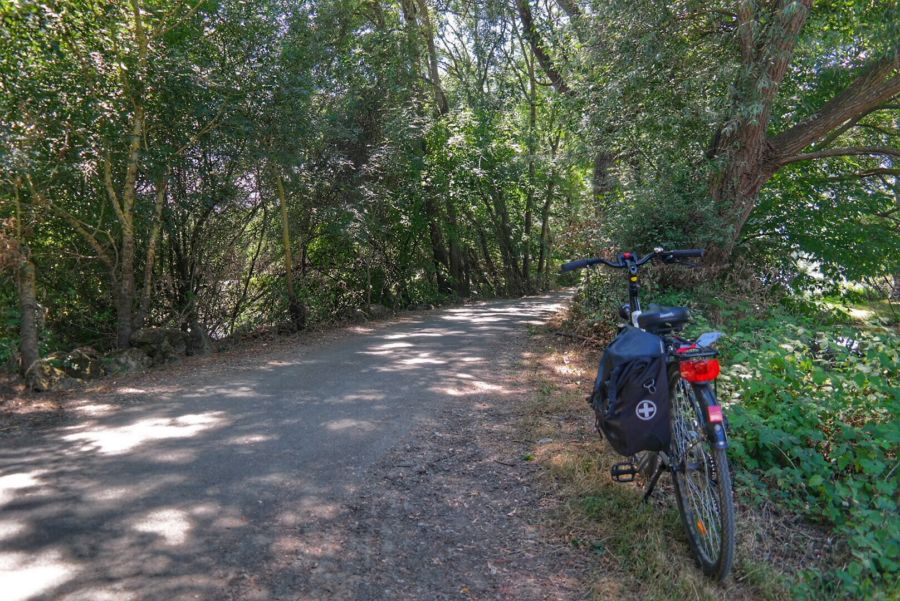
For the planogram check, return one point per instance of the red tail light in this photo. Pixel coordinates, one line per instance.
(700, 370)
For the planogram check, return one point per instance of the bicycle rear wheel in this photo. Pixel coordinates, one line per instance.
(702, 483)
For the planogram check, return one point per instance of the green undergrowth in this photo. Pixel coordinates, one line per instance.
(812, 395)
(814, 409)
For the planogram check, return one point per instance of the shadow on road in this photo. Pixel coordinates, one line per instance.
(212, 486)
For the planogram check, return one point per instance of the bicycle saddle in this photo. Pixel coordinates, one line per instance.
(663, 319)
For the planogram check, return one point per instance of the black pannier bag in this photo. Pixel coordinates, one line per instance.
(631, 395)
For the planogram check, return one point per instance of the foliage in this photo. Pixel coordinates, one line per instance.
(813, 407)
(147, 140)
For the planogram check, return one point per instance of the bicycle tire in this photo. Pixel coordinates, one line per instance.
(702, 480)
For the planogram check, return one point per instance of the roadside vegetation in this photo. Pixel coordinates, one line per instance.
(812, 394)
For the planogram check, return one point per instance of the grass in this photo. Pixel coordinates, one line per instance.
(641, 550)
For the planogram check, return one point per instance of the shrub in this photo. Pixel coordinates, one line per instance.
(814, 410)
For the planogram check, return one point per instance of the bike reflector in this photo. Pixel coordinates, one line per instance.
(714, 413)
(699, 370)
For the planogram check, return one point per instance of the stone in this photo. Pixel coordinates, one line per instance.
(47, 374)
(127, 361)
(163, 345)
(83, 363)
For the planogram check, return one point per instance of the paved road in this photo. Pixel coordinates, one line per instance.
(185, 485)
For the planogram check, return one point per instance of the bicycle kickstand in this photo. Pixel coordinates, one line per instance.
(659, 470)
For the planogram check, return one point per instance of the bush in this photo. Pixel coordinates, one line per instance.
(814, 410)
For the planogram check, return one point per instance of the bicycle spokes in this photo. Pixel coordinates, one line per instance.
(695, 471)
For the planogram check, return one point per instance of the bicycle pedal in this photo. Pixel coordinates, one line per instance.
(624, 472)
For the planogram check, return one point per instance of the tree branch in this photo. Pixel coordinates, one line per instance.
(879, 172)
(537, 46)
(440, 98)
(867, 92)
(745, 20)
(779, 52)
(836, 152)
(76, 224)
(570, 7)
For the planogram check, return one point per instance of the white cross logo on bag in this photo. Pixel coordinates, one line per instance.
(645, 410)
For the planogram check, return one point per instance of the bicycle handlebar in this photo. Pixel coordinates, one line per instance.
(681, 254)
(578, 264)
(666, 256)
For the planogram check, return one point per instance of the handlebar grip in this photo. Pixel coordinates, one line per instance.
(577, 264)
(689, 252)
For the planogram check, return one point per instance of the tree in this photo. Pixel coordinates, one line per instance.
(15, 256)
(747, 153)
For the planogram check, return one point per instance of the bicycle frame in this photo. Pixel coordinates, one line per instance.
(711, 416)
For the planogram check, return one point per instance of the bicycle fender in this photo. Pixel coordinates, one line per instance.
(715, 432)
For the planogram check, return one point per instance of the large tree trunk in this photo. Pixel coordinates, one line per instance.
(750, 157)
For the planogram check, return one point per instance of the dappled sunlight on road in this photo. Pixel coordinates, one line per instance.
(469, 388)
(24, 575)
(189, 490)
(13, 485)
(131, 492)
(350, 424)
(121, 439)
(172, 526)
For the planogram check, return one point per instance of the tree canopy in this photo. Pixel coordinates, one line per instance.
(222, 165)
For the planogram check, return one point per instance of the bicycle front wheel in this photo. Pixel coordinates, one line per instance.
(702, 483)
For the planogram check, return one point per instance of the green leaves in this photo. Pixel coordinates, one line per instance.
(819, 423)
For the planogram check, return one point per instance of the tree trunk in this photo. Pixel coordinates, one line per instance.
(600, 183)
(125, 296)
(529, 195)
(438, 250)
(750, 157)
(124, 211)
(28, 331)
(544, 256)
(508, 250)
(27, 284)
(418, 23)
(296, 310)
(155, 228)
(457, 263)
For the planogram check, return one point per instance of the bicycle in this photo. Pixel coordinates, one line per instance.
(696, 455)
